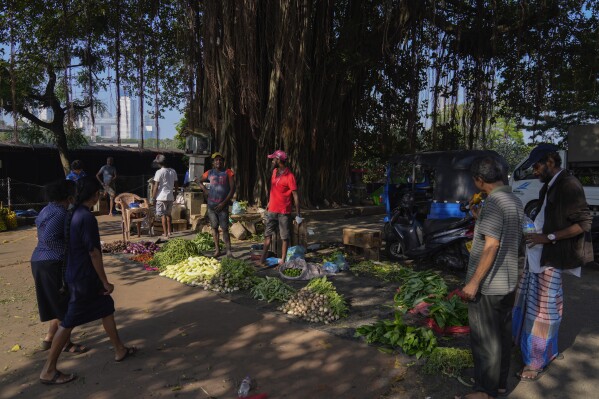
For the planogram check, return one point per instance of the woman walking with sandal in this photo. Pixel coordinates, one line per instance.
(47, 261)
(87, 282)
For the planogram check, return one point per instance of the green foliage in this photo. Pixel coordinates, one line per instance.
(272, 289)
(448, 361)
(173, 252)
(448, 312)
(417, 341)
(234, 274)
(417, 287)
(386, 271)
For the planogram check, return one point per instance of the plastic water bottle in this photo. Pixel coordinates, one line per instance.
(244, 388)
(528, 226)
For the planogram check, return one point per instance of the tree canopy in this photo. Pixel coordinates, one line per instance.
(329, 82)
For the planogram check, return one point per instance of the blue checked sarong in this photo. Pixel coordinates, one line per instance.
(537, 315)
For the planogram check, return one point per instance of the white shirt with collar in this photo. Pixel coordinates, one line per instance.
(534, 254)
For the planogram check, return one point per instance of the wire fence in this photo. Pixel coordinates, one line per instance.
(20, 195)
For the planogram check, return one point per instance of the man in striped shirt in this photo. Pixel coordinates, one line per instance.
(492, 277)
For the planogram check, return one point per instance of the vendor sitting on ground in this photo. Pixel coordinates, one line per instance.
(222, 188)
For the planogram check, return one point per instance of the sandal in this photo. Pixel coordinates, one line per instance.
(54, 381)
(129, 352)
(75, 349)
(537, 376)
(45, 345)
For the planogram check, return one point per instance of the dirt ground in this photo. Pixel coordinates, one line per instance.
(200, 344)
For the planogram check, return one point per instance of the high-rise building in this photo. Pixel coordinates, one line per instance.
(129, 117)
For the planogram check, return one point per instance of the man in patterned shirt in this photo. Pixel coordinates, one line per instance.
(222, 188)
(492, 277)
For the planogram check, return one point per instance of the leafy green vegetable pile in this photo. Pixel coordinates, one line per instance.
(272, 289)
(449, 312)
(417, 287)
(317, 302)
(448, 361)
(173, 252)
(386, 271)
(233, 275)
(204, 242)
(395, 333)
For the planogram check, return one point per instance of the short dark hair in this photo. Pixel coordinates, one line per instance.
(76, 165)
(59, 190)
(557, 159)
(488, 169)
(86, 187)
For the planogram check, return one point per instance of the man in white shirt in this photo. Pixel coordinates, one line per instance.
(163, 192)
(561, 244)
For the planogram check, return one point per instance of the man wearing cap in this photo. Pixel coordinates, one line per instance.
(163, 190)
(560, 245)
(222, 188)
(278, 210)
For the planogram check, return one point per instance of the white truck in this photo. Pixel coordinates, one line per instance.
(582, 158)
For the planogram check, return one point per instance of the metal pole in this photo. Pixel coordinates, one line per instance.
(9, 202)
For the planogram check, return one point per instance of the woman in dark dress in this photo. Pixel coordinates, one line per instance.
(87, 282)
(47, 260)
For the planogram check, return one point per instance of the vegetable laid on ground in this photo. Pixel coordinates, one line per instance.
(395, 333)
(317, 302)
(272, 289)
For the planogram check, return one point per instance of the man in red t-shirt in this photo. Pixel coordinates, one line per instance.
(278, 210)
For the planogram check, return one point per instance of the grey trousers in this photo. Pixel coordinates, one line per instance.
(490, 318)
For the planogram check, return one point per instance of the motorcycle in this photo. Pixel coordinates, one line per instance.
(446, 241)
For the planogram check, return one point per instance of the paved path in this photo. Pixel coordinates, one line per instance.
(198, 344)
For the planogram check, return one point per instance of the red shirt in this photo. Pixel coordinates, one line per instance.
(281, 187)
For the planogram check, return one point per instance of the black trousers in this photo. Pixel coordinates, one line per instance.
(490, 318)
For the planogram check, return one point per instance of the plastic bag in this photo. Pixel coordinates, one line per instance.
(309, 270)
(341, 263)
(180, 199)
(272, 261)
(330, 267)
(237, 209)
(295, 252)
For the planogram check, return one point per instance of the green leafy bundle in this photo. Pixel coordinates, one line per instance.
(449, 312)
(173, 252)
(233, 275)
(417, 287)
(271, 289)
(448, 361)
(416, 341)
(204, 242)
(386, 271)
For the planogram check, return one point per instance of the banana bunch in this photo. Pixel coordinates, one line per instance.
(193, 270)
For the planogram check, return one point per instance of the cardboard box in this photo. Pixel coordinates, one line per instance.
(362, 238)
(193, 201)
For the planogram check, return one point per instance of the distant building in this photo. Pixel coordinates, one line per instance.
(106, 123)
